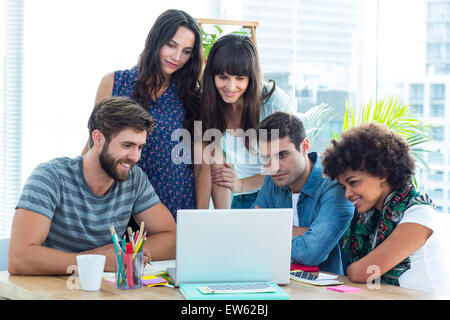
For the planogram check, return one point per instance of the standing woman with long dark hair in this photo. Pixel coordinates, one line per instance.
(234, 100)
(165, 82)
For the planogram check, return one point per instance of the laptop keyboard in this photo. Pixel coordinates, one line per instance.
(241, 288)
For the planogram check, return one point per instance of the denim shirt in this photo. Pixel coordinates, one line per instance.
(322, 208)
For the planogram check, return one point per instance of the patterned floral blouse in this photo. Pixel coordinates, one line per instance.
(174, 183)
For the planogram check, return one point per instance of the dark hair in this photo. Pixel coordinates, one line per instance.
(236, 55)
(287, 124)
(373, 148)
(151, 78)
(112, 115)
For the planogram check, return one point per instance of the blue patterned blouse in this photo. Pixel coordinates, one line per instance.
(174, 183)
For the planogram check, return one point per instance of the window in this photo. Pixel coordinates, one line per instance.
(437, 176)
(436, 31)
(434, 52)
(10, 111)
(435, 158)
(425, 31)
(447, 52)
(437, 10)
(416, 92)
(416, 98)
(437, 100)
(416, 109)
(437, 193)
(437, 133)
(437, 110)
(437, 92)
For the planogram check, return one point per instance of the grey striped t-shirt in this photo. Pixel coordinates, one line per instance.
(80, 219)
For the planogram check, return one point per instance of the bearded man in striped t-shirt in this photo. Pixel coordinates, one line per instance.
(68, 204)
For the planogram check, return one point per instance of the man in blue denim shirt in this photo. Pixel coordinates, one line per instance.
(322, 212)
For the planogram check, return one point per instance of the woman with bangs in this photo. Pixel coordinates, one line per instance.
(234, 100)
(165, 82)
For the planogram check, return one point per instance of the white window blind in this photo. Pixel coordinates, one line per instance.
(11, 42)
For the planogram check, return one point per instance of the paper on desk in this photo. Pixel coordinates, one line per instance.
(326, 276)
(151, 281)
(158, 266)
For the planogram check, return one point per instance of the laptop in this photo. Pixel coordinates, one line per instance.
(233, 245)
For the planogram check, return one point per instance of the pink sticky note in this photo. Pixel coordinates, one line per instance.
(344, 289)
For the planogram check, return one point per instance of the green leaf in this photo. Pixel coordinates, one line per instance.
(218, 29)
(396, 116)
(241, 32)
(209, 39)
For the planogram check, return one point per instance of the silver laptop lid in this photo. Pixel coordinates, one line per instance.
(233, 245)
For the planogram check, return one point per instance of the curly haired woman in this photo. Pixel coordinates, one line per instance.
(395, 231)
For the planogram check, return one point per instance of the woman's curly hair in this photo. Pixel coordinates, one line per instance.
(373, 148)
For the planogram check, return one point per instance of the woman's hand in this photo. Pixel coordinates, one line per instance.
(225, 176)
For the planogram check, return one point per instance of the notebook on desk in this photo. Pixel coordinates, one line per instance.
(195, 292)
(233, 245)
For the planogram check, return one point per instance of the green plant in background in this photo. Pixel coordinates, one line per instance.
(210, 38)
(397, 117)
(315, 119)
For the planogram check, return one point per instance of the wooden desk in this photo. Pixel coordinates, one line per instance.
(55, 287)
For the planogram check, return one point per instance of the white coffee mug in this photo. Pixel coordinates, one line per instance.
(90, 270)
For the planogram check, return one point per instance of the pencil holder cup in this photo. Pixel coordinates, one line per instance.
(129, 270)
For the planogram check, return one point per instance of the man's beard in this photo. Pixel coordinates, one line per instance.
(109, 165)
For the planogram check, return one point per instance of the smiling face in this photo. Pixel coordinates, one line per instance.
(122, 153)
(231, 87)
(176, 52)
(366, 191)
